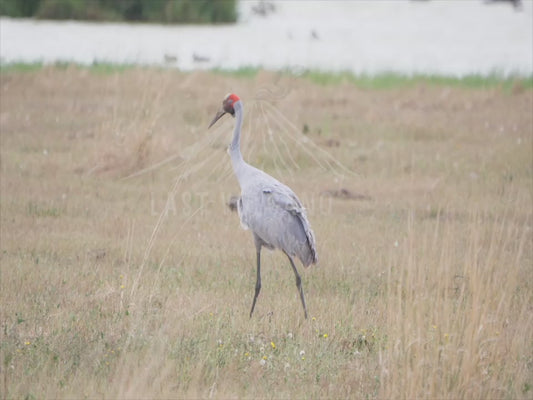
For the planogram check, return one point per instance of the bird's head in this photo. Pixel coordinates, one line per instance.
(227, 107)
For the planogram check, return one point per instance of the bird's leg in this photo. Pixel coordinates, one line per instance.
(258, 282)
(298, 284)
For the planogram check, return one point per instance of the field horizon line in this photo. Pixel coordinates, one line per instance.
(364, 80)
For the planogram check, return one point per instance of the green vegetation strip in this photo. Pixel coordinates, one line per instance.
(165, 11)
(385, 80)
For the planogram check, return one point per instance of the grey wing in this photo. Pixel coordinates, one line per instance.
(295, 234)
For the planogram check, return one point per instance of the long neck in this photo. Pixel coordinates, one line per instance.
(235, 146)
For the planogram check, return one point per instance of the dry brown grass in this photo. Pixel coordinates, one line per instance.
(124, 281)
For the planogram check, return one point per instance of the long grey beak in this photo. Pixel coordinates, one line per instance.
(219, 114)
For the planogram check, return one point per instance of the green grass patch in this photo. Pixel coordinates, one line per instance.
(389, 80)
(97, 67)
(385, 80)
(242, 72)
(106, 68)
(42, 210)
(20, 67)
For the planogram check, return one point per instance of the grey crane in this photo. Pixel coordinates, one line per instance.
(268, 208)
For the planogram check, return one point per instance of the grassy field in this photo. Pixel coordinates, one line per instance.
(125, 275)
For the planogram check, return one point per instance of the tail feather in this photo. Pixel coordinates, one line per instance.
(310, 255)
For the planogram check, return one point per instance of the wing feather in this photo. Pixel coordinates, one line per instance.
(276, 216)
(284, 198)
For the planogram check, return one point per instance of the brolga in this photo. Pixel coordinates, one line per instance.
(268, 208)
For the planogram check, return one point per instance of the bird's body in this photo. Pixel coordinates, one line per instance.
(269, 208)
(274, 214)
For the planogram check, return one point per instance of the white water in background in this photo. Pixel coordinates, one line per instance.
(453, 37)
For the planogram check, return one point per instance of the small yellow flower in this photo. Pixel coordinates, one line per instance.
(27, 343)
(314, 319)
(325, 335)
(434, 327)
(273, 345)
(265, 358)
(122, 286)
(247, 354)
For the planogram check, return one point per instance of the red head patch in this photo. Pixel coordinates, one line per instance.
(228, 102)
(233, 97)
